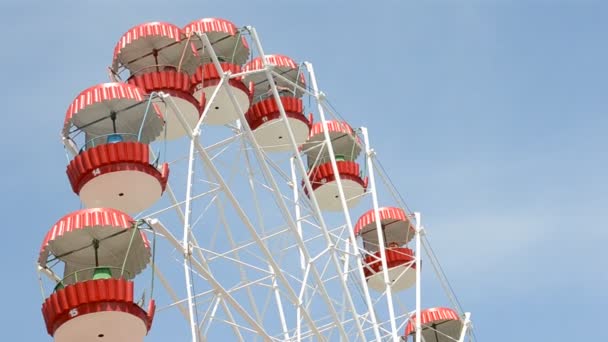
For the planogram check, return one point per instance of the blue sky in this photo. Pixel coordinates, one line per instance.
(490, 117)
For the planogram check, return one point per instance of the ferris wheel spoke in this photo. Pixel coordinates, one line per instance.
(281, 202)
(208, 316)
(209, 164)
(235, 327)
(237, 258)
(207, 275)
(177, 204)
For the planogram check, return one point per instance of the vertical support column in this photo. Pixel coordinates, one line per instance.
(186, 242)
(349, 224)
(277, 297)
(296, 201)
(465, 326)
(418, 264)
(372, 189)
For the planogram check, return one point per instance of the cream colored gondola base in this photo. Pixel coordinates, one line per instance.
(329, 198)
(107, 326)
(128, 191)
(222, 111)
(446, 332)
(402, 277)
(173, 126)
(273, 136)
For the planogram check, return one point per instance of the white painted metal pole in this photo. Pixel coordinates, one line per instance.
(277, 297)
(206, 274)
(300, 165)
(418, 280)
(208, 103)
(186, 243)
(465, 326)
(369, 154)
(351, 233)
(247, 222)
(296, 199)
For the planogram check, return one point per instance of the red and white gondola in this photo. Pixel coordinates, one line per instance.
(397, 231)
(438, 325)
(113, 169)
(346, 148)
(160, 58)
(101, 250)
(232, 51)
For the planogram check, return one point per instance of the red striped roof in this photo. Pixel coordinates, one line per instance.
(332, 126)
(100, 93)
(276, 60)
(432, 315)
(108, 158)
(211, 25)
(385, 213)
(87, 218)
(152, 29)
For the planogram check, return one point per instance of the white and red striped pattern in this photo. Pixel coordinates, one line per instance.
(332, 126)
(211, 25)
(432, 315)
(385, 213)
(152, 29)
(275, 60)
(100, 93)
(87, 218)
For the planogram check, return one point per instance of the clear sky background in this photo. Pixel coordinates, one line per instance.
(490, 117)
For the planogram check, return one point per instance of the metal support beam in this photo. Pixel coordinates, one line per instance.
(369, 153)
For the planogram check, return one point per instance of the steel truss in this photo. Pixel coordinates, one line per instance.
(260, 260)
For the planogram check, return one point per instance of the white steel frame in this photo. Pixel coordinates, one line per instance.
(361, 317)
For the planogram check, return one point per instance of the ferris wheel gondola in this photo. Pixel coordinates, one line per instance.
(438, 325)
(397, 231)
(160, 58)
(113, 167)
(346, 147)
(101, 249)
(232, 51)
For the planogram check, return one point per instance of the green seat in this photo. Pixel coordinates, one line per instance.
(102, 273)
(59, 286)
(340, 157)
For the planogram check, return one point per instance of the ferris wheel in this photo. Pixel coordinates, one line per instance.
(219, 186)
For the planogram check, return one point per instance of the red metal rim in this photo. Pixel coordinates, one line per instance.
(324, 174)
(268, 110)
(122, 156)
(395, 256)
(172, 82)
(208, 71)
(91, 297)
